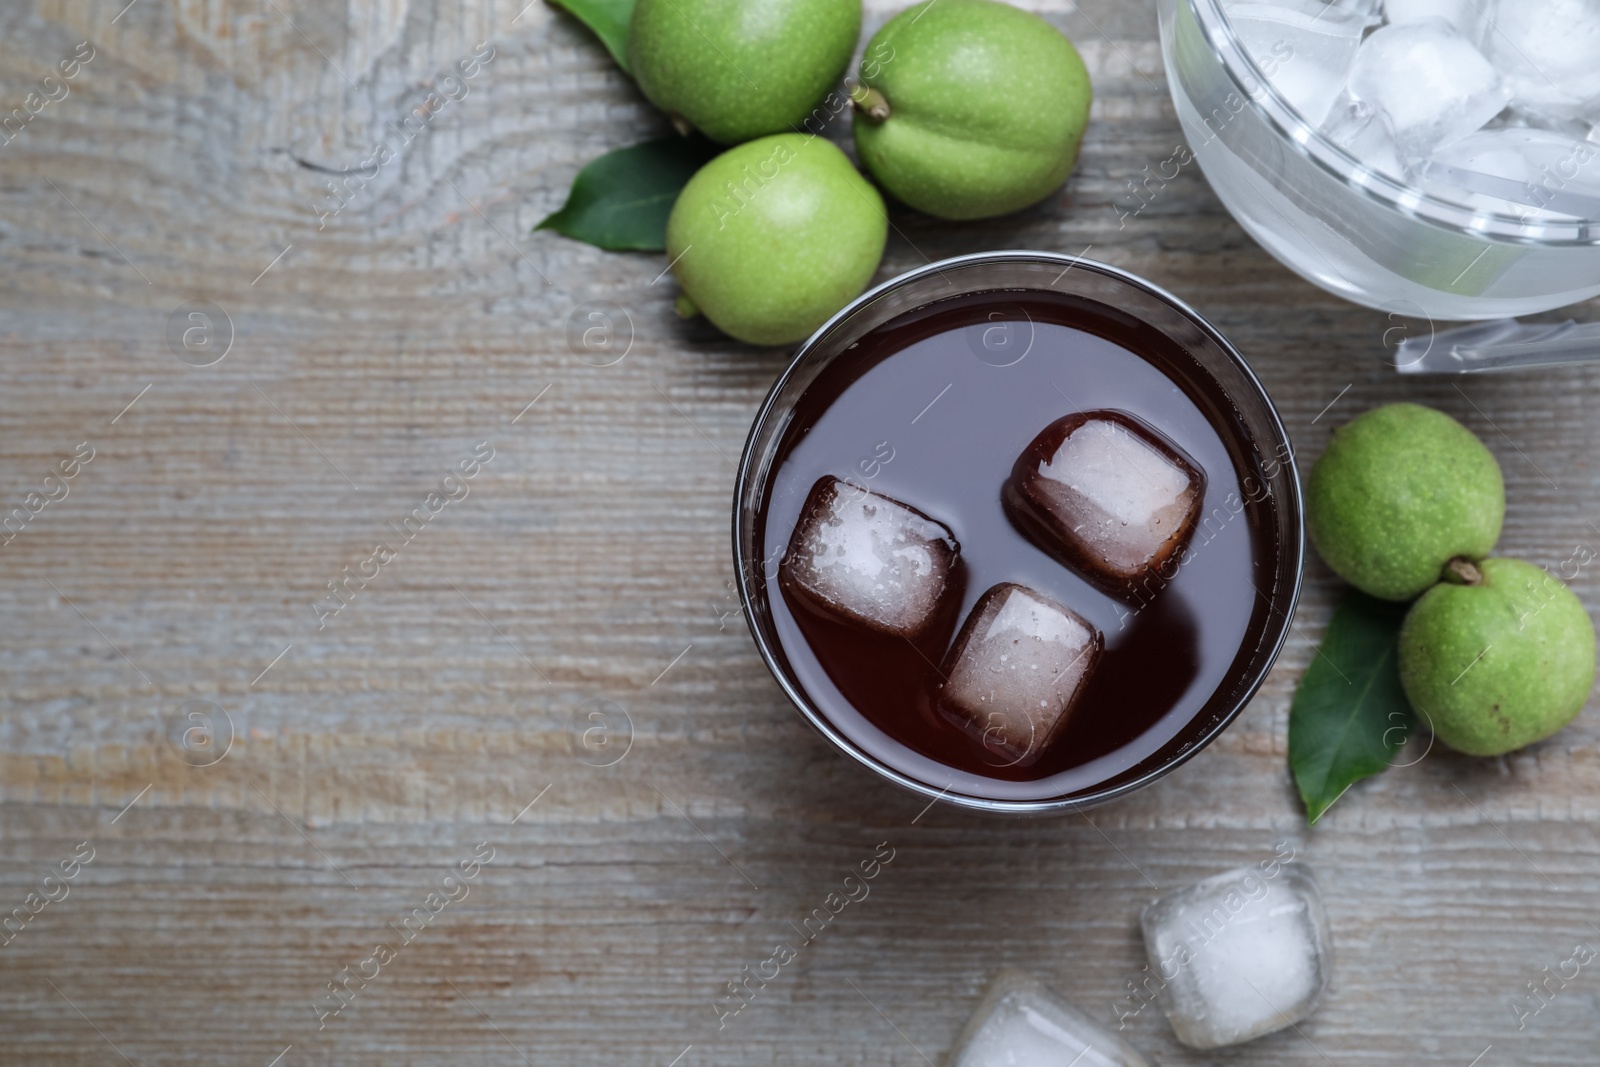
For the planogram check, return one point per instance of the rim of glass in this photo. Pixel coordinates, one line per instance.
(1323, 151)
(1295, 548)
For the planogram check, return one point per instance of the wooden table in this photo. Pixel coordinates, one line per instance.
(439, 715)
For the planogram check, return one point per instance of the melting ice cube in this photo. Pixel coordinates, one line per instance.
(870, 559)
(1364, 130)
(1021, 1022)
(1430, 81)
(1371, 10)
(1247, 953)
(1467, 16)
(1110, 495)
(1549, 52)
(1520, 171)
(1015, 670)
(1304, 47)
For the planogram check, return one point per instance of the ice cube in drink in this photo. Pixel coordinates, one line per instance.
(1015, 671)
(870, 560)
(1109, 495)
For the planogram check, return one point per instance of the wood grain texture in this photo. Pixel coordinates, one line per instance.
(588, 568)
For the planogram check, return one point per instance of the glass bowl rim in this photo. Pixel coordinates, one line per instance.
(1294, 548)
(1321, 150)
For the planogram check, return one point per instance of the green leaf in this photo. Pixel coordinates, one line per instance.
(1349, 715)
(609, 21)
(621, 201)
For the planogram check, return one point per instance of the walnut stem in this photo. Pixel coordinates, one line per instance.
(1462, 571)
(871, 103)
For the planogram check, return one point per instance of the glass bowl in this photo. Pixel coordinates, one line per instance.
(1350, 229)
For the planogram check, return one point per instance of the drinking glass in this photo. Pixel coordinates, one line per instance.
(1250, 421)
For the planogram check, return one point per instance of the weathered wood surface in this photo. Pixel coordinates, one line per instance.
(589, 564)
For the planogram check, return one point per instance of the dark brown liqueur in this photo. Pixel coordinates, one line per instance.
(933, 409)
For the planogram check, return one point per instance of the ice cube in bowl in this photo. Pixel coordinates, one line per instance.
(1549, 54)
(1431, 82)
(1305, 49)
(1467, 16)
(1364, 131)
(1520, 171)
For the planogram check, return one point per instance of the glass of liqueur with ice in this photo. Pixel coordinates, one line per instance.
(1431, 158)
(1018, 531)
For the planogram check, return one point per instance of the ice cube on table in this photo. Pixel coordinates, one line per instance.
(870, 559)
(1467, 16)
(1109, 495)
(1015, 671)
(1549, 53)
(1305, 49)
(1021, 1022)
(1430, 81)
(1364, 130)
(1248, 951)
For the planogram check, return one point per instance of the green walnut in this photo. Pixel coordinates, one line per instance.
(1401, 491)
(970, 108)
(739, 69)
(1497, 656)
(772, 237)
